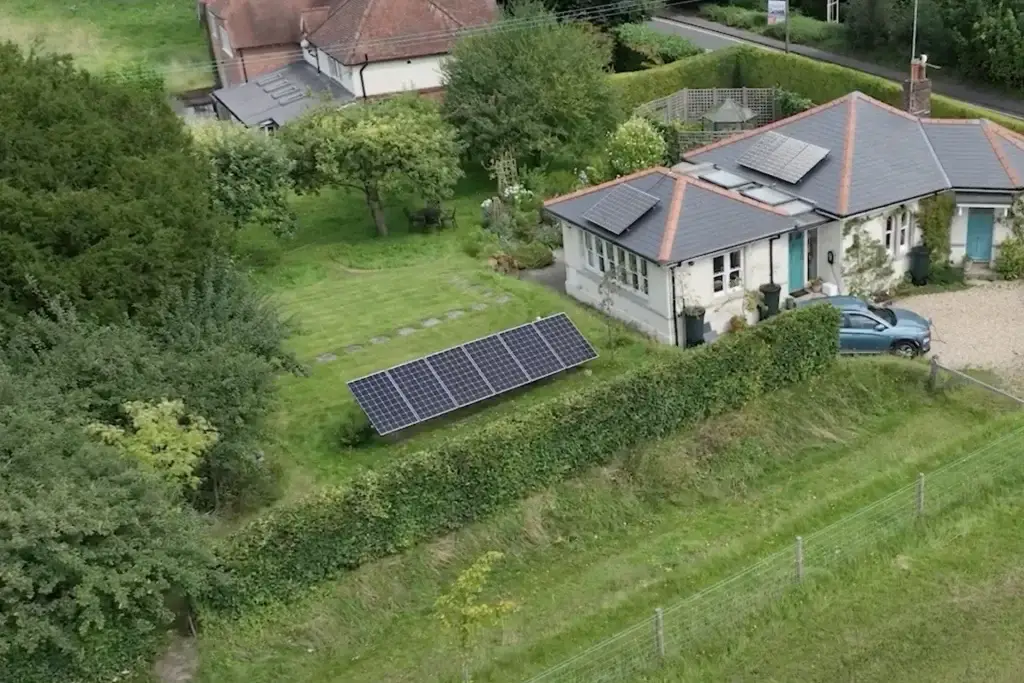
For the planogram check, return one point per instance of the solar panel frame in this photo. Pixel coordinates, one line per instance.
(565, 339)
(383, 403)
(537, 358)
(782, 157)
(461, 377)
(422, 388)
(497, 364)
(620, 208)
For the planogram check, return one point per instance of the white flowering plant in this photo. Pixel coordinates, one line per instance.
(634, 146)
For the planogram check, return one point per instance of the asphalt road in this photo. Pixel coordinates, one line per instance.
(698, 36)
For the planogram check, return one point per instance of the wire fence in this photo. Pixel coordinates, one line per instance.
(700, 619)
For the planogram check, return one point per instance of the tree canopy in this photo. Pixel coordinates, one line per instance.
(538, 90)
(399, 146)
(249, 174)
(99, 198)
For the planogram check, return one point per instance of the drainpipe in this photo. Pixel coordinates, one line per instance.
(245, 73)
(771, 259)
(366, 63)
(675, 316)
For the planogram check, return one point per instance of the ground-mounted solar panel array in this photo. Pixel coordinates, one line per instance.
(427, 387)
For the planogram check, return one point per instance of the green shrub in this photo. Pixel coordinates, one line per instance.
(533, 255)
(945, 274)
(1010, 261)
(788, 103)
(473, 473)
(635, 145)
(737, 17)
(355, 429)
(805, 31)
(638, 46)
(477, 242)
(934, 218)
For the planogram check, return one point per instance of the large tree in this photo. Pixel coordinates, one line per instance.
(91, 546)
(399, 146)
(534, 86)
(604, 13)
(249, 172)
(99, 196)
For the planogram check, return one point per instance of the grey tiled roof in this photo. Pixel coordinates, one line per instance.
(710, 219)
(252, 104)
(881, 156)
(966, 153)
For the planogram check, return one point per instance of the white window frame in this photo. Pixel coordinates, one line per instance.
(629, 271)
(889, 235)
(730, 273)
(903, 235)
(225, 39)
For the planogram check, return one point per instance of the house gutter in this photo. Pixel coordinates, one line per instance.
(366, 63)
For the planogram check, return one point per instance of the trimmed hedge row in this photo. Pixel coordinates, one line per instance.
(709, 70)
(434, 492)
(754, 68)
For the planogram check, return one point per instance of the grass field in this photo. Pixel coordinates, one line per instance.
(594, 555)
(103, 35)
(342, 287)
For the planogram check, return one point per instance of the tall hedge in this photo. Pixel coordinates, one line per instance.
(472, 474)
(709, 70)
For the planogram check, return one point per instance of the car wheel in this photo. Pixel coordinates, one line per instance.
(905, 349)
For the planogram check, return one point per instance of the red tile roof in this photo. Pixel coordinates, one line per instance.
(258, 23)
(397, 29)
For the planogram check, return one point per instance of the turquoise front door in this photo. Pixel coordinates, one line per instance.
(980, 223)
(796, 261)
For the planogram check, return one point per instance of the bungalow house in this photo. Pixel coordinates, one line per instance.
(789, 203)
(349, 49)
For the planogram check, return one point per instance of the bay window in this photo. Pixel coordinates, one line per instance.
(627, 269)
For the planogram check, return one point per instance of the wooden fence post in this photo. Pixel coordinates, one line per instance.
(933, 373)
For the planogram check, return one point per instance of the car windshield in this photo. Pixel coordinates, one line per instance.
(884, 313)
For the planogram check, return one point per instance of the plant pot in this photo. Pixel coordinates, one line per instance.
(920, 265)
(816, 287)
(770, 292)
(693, 319)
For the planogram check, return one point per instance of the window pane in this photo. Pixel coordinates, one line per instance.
(734, 279)
(643, 270)
(861, 322)
(645, 284)
(632, 262)
(734, 259)
(719, 283)
(636, 281)
(718, 264)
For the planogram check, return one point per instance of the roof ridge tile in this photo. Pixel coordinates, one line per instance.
(849, 138)
(675, 210)
(1011, 172)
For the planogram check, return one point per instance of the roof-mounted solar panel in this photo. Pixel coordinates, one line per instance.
(782, 157)
(623, 206)
(729, 181)
(442, 382)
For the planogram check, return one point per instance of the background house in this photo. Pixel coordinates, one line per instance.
(791, 202)
(368, 47)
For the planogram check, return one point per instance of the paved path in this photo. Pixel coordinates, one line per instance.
(712, 36)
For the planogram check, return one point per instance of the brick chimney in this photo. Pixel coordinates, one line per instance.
(917, 90)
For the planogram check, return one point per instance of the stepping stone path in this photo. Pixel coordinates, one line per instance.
(431, 322)
(503, 299)
(326, 358)
(378, 340)
(480, 306)
(353, 348)
(452, 315)
(405, 331)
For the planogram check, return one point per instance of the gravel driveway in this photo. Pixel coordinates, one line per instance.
(981, 327)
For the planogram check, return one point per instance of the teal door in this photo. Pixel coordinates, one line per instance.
(980, 223)
(796, 261)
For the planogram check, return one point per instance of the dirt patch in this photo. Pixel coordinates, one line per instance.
(180, 663)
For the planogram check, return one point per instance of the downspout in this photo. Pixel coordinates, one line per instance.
(771, 258)
(675, 315)
(245, 73)
(366, 63)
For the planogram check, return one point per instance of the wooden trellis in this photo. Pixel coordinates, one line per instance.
(505, 171)
(689, 105)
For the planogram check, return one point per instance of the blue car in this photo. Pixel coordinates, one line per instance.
(867, 328)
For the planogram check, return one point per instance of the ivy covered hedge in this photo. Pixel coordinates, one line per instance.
(472, 474)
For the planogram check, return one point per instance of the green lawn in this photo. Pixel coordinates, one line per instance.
(341, 287)
(592, 556)
(103, 34)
